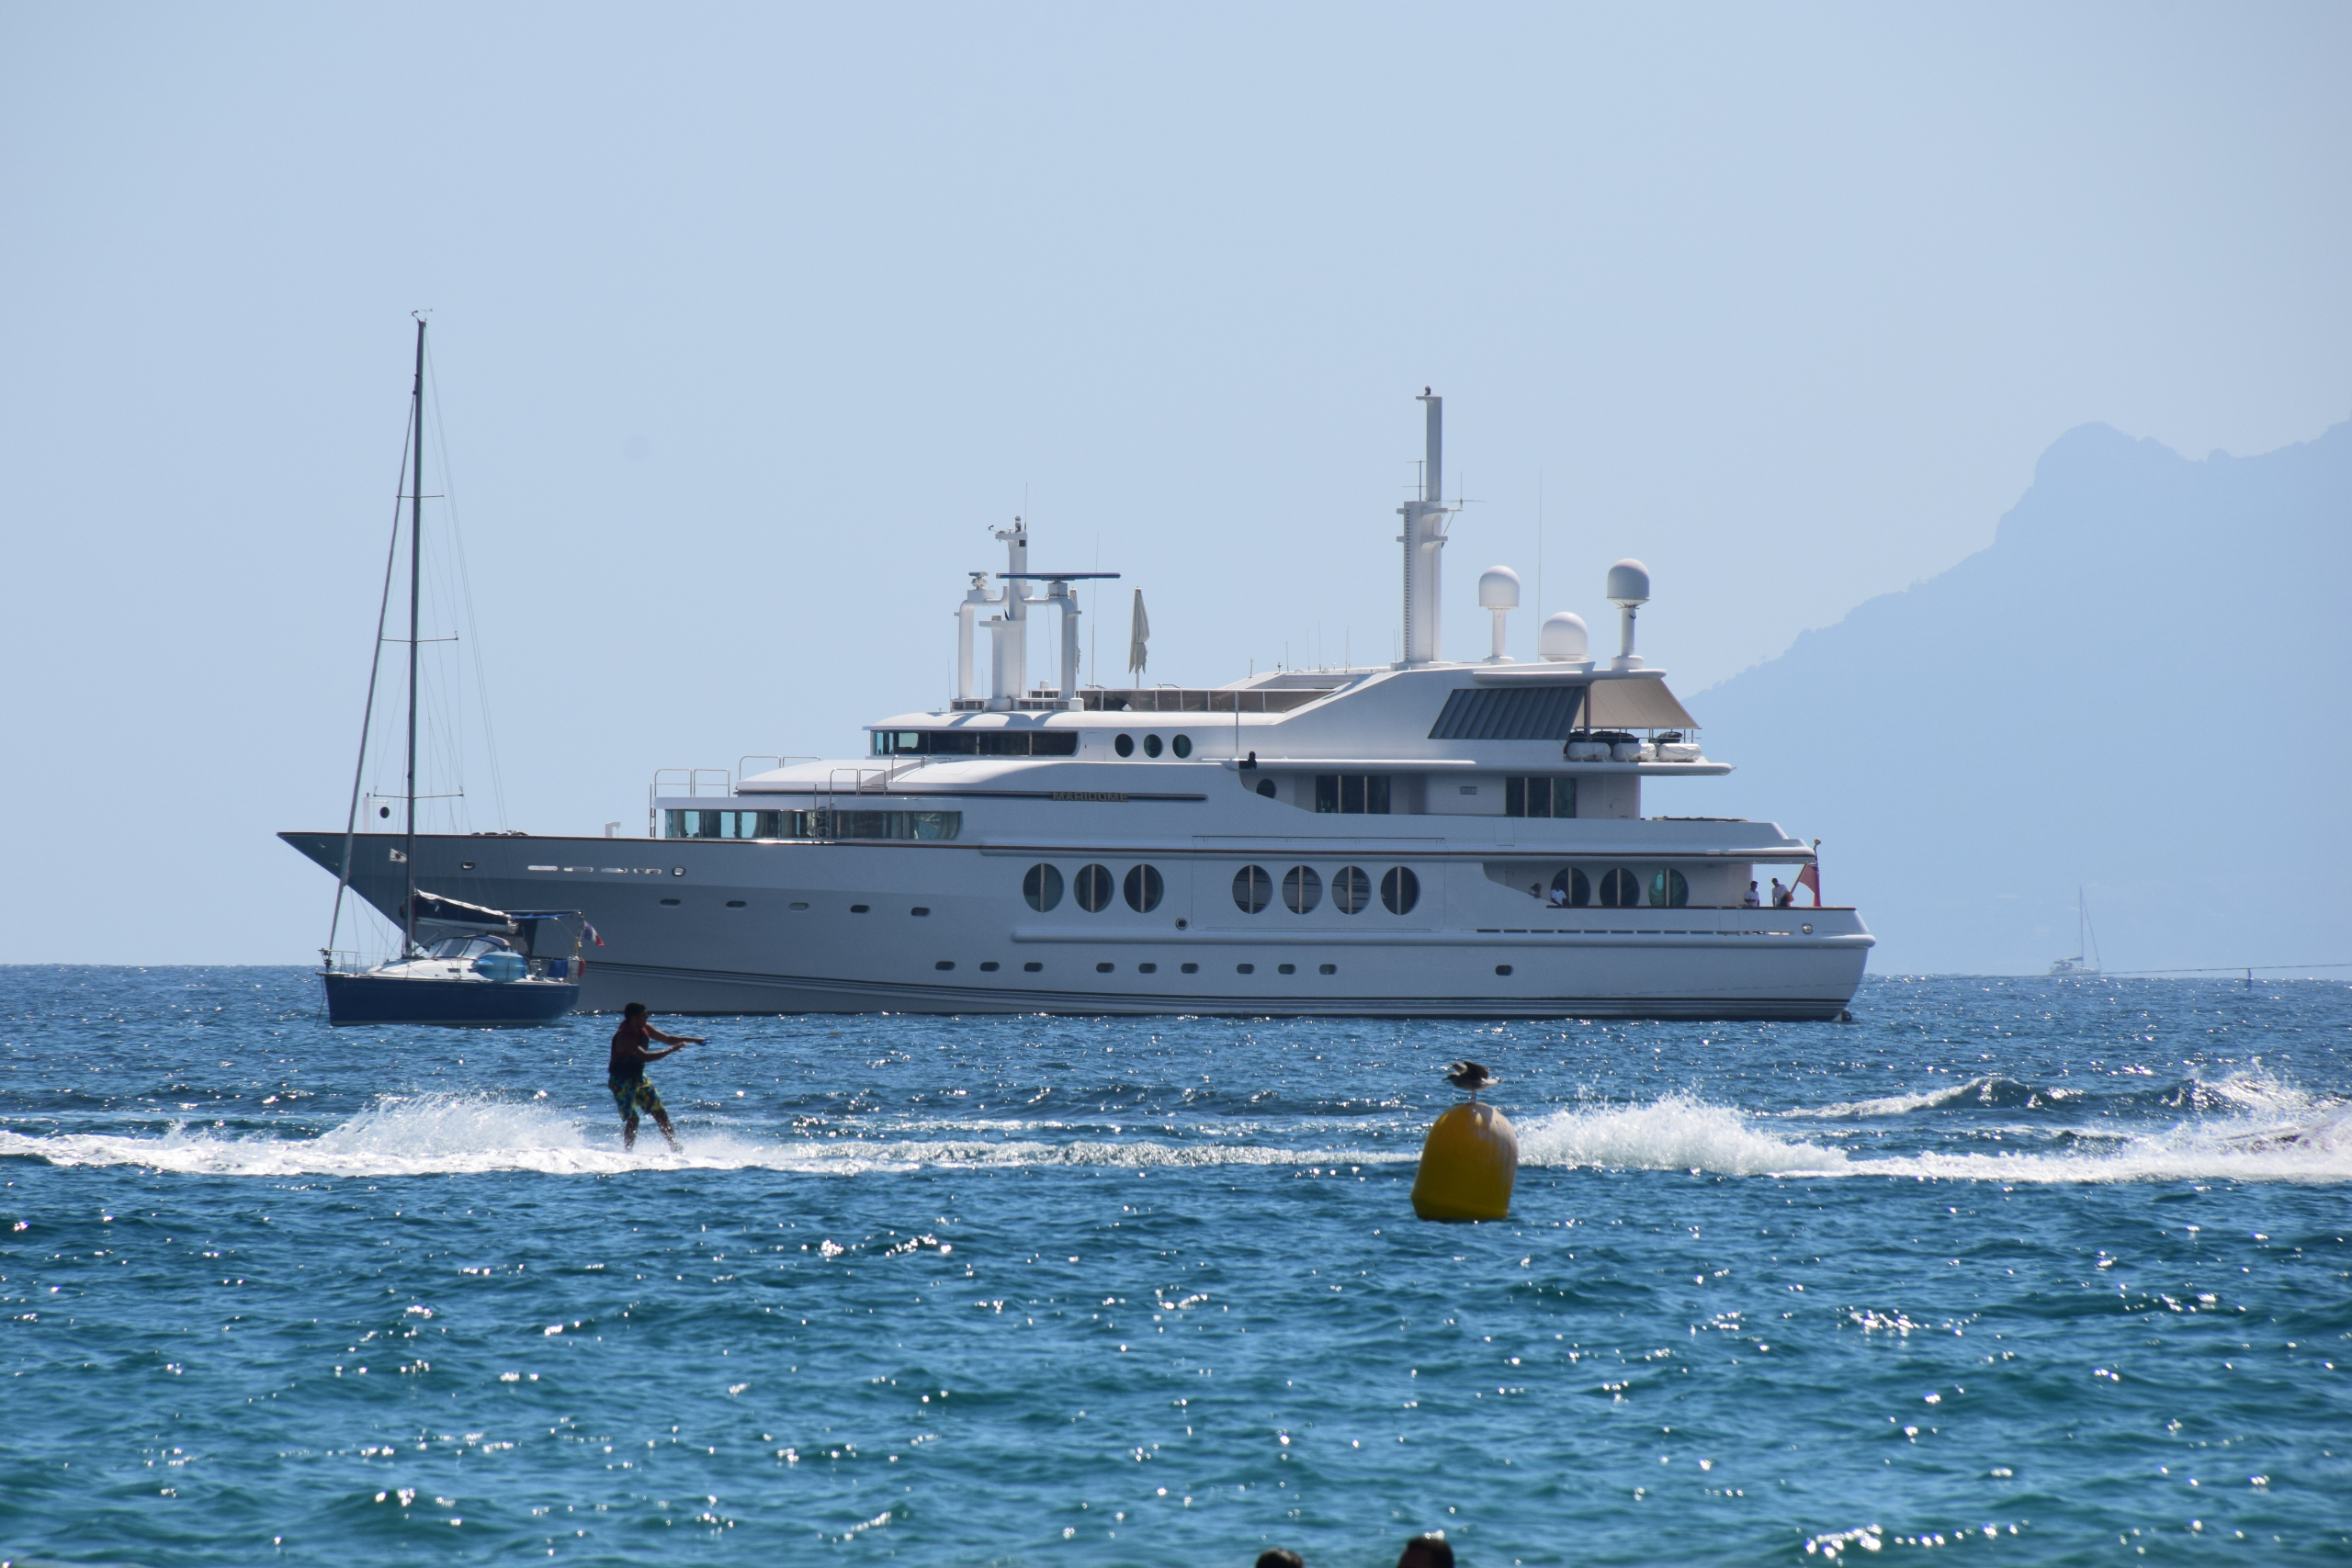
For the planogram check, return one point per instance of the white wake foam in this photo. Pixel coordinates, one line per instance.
(1678, 1132)
(453, 1135)
(2268, 1133)
(2271, 1133)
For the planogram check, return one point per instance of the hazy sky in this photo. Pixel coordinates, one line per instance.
(751, 322)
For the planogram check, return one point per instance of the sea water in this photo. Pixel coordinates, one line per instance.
(2023, 1270)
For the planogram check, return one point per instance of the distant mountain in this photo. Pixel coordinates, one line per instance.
(2143, 687)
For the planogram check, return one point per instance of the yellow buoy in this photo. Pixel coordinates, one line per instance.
(1468, 1163)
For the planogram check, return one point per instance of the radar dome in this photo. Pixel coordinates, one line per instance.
(1563, 639)
(1629, 583)
(1499, 589)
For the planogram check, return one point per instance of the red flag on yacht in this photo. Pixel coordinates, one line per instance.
(1811, 877)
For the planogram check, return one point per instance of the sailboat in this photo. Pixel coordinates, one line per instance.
(461, 964)
(2085, 942)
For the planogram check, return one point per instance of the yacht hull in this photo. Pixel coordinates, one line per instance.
(702, 927)
(360, 998)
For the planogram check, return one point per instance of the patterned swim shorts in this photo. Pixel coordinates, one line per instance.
(634, 1095)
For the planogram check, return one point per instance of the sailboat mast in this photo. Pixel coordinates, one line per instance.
(415, 586)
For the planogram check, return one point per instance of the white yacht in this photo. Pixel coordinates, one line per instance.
(1429, 838)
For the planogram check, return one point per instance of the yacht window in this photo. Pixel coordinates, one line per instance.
(1124, 745)
(811, 825)
(1351, 890)
(1143, 888)
(1574, 888)
(1302, 889)
(1399, 891)
(1252, 888)
(1151, 745)
(989, 967)
(974, 742)
(1245, 969)
(1042, 886)
(1191, 968)
(1031, 968)
(1182, 746)
(1147, 968)
(1669, 891)
(1620, 889)
(1353, 795)
(1094, 889)
(1541, 796)
(1266, 788)
(1286, 968)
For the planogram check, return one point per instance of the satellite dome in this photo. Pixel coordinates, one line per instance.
(1629, 583)
(1563, 639)
(1499, 589)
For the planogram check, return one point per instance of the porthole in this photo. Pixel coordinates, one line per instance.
(1574, 888)
(854, 909)
(944, 963)
(1502, 969)
(989, 967)
(1191, 968)
(1266, 788)
(1147, 968)
(1143, 888)
(1245, 969)
(1182, 746)
(1669, 891)
(1094, 889)
(1351, 890)
(1302, 889)
(1042, 886)
(1124, 745)
(735, 903)
(1620, 889)
(1287, 968)
(1103, 968)
(919, 909)
(1252, 889)
(669, 901)
(1031, 968)
(799, 904)
(1151, 745)
(1326, 969)
(1399, 891)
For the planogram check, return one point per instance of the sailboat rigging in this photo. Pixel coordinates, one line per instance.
(2085, 942)
(484, 966)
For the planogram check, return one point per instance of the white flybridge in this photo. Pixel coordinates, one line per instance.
(1428, 838)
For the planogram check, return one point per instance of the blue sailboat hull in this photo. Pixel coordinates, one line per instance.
(361, 998)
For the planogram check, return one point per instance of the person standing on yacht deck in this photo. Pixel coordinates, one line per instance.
(625, 1071)
(1752, 901)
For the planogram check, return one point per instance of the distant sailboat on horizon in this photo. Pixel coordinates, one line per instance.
(2085, 942)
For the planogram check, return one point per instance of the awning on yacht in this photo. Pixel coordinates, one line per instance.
(1636, 704)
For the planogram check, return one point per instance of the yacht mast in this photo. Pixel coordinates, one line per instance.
(415, 581)
(1424, 537)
